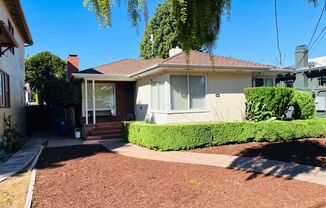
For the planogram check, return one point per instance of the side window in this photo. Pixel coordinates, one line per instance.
(4, 90)
(12, 31)
(259, 82)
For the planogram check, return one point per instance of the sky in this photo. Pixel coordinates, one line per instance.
(66, 27)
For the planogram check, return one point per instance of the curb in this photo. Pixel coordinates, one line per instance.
(29, 196)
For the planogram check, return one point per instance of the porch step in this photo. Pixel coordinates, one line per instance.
(105, 131)
(109, 136)
(106, 124)
(108, 130)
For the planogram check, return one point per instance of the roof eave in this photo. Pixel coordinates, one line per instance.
(21, 17)
(157, 67)
(112, 77)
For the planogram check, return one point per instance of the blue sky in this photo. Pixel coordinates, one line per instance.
(63, 27)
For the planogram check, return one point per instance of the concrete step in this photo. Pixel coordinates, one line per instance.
(105, 132)
(109, 136)
(113, 123)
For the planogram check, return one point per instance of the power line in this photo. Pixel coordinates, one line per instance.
(320, 34)
(315, 30)
(277, 33)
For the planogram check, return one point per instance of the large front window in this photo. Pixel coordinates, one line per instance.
(187, 92)
(104, 97)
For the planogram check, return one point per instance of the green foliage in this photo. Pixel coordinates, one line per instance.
(163, 27)
(188, 136)
(304, 105)
(264, 103)
(62, 92)
(12, 133)
(43, 67)
(198, 22)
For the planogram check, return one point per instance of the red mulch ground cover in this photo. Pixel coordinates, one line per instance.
(90, 176)
(307, 151)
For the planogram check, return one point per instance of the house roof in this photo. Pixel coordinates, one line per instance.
(126, 66)
(16, 11)
(199, 59)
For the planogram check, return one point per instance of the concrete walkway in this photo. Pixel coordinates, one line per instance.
(269, 167)
(22, 157)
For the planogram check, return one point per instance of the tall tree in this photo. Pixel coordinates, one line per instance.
(198, 21)
(41, 68)
(163, 28)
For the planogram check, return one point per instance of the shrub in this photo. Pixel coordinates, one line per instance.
(189, 136)
(264, 103)
(62, 92)
(304, 105)
(168, 137)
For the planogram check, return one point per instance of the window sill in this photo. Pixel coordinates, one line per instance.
(187, 111)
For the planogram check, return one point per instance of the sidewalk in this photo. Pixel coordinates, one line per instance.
(268, 167)
(22, 157)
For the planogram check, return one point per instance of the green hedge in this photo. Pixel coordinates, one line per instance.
(189, 136)
(264, 103)
(304, 105)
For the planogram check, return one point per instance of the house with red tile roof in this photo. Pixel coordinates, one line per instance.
(197, 87)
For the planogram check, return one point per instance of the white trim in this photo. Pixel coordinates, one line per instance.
(86, 102)
(93, 100)
(188, 111)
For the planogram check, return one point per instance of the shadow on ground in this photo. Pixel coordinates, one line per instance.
(308, 153)
(53, 157)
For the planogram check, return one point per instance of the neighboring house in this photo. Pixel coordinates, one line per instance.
(308, 75)
(14, 34)
(206, 89)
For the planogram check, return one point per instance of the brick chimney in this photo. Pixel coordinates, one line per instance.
(72, 65)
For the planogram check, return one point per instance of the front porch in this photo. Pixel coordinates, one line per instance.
(104, 105)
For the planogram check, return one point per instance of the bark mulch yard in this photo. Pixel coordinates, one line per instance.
(91, 176)
(307, 151)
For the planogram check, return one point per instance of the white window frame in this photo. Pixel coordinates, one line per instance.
(198, 110)
(254, 80)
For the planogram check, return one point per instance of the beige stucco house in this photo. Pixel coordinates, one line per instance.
(204, 89)
(14, 34)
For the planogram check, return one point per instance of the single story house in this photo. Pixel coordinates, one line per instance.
(207, 88)
(14, 34)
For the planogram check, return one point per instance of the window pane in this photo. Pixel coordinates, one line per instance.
(1, 89)
(197, 91)
(161, 96)
(154, 97)
(179, 92)
(268, 82)
(104, 96)
(259, 82)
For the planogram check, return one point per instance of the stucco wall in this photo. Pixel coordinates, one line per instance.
(225, 100)
(14, 66)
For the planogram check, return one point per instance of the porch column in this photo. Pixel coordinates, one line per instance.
(86, 103)
(93, 99)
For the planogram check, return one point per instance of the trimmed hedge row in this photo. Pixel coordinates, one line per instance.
(189, 136)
